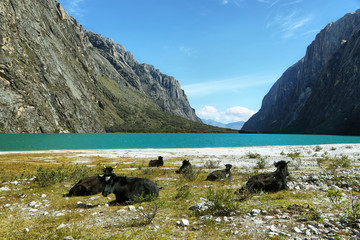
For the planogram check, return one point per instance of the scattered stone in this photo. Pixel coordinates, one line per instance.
(273, 228)
(255, 212)
(81, 205)
(206, 217)
(296, 230)
(199, 207)
(43, 195)
(68, 238)
(132, 208)
(61, 226)
(5, 188)
(183, 222)
(26, 230)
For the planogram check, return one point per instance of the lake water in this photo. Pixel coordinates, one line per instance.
(30, 142)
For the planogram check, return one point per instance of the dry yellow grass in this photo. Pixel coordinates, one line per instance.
(57, 217)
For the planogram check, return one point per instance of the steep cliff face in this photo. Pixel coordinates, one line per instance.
(54, 76)
(163, 89)
(289, 98)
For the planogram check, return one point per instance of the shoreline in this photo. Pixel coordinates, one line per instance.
(199, 156)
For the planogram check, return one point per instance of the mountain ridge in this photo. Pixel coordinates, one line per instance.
(288, 100)
(57, 77)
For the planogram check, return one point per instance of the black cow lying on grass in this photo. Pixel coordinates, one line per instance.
(156, 163)
(130, 189)
(185, 164)
(220, 174)
(270, 182)
(91, 185)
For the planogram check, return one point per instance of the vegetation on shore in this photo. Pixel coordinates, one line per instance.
(32, 206)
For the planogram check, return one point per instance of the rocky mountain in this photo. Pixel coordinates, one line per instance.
(233, 125)
(318, 94)
(57, 77)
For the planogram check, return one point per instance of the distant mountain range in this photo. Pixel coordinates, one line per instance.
(233, 125)
(320, 93)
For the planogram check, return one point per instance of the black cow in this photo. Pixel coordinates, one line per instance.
(220, 174)
(156, 163)
(185, 164)
(270, 182)
(91, 185)
(130, 189)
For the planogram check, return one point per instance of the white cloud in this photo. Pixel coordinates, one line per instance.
(291, 23)
(224, 2)
(209, 112)
(233, 114)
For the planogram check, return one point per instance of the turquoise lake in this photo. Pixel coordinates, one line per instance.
(56, 141)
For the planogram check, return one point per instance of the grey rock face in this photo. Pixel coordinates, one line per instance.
(302, 85)
(56, 77)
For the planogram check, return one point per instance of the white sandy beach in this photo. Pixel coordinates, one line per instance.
(198, 156)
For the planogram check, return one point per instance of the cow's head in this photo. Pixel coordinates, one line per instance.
(108, 172)
(228, 167)
(283, 167)
(109, 187)
(186, 163)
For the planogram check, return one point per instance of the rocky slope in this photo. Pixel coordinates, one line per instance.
(57, 77)
(317, 94)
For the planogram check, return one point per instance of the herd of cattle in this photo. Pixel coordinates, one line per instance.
(134, 189)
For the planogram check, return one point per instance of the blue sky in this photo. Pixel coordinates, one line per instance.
(226, 54)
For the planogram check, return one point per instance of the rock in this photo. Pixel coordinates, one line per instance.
(5, 188)
(316, 86)
(201, 206)
(255, 212)
(296, 230)
(61, 226)
(26, 230)
(81, 205)
(68, 238)
(206, 217)
(183, 222)
(313, 229)
(43, 195)
(273, 228)
(132, 208)
(33, 204)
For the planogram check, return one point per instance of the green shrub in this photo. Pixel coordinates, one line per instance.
(183, 192)
(261, 163)
(224, 201)
(253, 155)
(190, 173)
(212, 164)
(49, 176)
(350, 206)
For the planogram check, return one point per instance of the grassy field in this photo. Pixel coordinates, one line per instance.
(32, 205)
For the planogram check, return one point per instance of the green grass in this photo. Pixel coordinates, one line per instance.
(178, 193)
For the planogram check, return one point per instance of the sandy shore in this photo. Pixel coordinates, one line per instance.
(198, 156)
